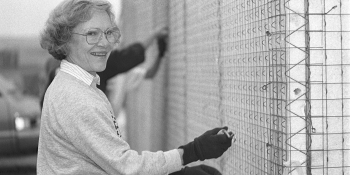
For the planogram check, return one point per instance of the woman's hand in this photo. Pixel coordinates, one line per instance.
(156, 34)
(161, 32)
(207, 146)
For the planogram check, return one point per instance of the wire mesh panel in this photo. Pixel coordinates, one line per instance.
(254, 85)
(298, 122)
(276, 72)
(327, 79)
(317, 134)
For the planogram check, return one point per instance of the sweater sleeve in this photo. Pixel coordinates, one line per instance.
(90, 127)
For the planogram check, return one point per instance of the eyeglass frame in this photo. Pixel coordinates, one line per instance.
(104, 32)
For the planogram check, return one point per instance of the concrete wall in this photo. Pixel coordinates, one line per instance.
(275, 72)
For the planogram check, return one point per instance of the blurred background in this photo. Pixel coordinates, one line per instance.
(22, 80)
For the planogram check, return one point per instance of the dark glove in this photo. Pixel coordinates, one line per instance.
(207, 146)
(197, 170)
(162, 46)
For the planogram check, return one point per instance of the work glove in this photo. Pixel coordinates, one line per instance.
(197, 170)
(162, 46)
(207, 146)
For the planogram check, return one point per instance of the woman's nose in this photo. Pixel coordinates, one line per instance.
(103, 40)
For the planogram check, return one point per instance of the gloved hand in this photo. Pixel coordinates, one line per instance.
(197, 170)
(162, 45)
(207, 146)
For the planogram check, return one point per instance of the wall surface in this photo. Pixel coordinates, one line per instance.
(275, 72)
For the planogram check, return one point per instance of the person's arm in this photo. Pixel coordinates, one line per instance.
(181, 153)
(162, 47)
(121, 61)
(158, 33)
(90, 128)
(128, 58)
(92, 131)
(153, 69)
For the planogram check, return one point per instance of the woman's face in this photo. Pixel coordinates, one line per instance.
(92, 58)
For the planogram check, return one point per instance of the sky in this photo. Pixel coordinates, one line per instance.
(26, 18)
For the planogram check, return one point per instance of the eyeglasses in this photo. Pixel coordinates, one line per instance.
(94, 35)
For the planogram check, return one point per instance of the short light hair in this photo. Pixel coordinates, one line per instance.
(64, 18)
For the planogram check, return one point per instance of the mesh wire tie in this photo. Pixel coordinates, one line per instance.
(331, 9)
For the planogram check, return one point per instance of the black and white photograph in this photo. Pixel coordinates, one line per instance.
(175, 87)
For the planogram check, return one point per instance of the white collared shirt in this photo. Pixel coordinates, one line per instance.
(79, 73)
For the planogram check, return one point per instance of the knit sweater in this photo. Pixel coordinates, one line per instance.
(79, 134)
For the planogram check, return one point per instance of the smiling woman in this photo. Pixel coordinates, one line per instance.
(79, 133)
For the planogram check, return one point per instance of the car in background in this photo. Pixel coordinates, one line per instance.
(19, 119)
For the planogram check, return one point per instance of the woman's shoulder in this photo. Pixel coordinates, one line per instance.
(67, 87)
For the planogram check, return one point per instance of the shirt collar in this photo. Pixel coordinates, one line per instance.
(79, 73)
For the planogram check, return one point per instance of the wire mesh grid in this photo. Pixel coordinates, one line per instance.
(318, 88)
(254, 85)
(275, 71)
(327, 78)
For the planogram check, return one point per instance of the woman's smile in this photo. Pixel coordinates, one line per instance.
(99, 54)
